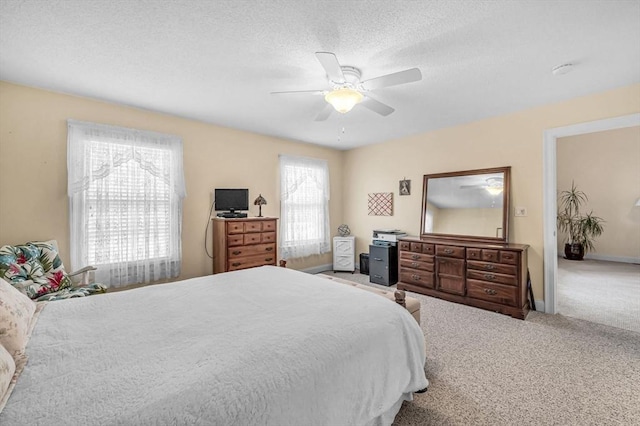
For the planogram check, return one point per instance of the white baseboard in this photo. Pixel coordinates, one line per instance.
(318, 269)
(539, 305)
(622, 259)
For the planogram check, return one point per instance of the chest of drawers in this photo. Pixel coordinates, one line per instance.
(488, 276)
(244, 243)
(344, 254)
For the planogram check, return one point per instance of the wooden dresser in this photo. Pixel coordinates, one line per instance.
(244, 243)
(484, 275)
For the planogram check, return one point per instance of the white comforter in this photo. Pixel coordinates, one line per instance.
(263, 346)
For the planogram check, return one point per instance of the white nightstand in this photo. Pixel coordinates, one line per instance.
(344, 254)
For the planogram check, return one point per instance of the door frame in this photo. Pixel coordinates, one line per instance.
(549, 186)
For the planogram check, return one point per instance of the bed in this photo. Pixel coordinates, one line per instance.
(261, 346)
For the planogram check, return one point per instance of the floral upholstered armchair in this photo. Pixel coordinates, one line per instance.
(36, 270)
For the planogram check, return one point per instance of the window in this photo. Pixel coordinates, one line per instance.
(125, 189)
(304, 217)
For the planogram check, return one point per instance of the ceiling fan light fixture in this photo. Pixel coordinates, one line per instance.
(343, 99)
(494, 190)
(495, 186)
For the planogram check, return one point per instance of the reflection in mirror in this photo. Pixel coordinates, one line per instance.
(466, 204)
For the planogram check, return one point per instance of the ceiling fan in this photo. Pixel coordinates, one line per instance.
(346, 90)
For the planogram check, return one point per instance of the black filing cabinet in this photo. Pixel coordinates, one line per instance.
(383, 264)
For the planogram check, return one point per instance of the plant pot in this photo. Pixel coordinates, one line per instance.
(574, 251)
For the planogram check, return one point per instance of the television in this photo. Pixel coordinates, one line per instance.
(231, 200)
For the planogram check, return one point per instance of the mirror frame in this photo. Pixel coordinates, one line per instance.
(506, 208)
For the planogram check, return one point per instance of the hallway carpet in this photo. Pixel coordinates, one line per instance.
(604, 292)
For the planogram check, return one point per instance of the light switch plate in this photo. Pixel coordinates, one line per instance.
(520, 211)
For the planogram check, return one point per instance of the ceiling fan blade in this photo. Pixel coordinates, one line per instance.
(313, 92)
(325, 113)
(331, 66)
(400, 77)
(376, 106)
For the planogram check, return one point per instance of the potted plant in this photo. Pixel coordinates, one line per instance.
(581, 229)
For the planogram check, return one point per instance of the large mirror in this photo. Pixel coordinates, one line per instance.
(470, 205)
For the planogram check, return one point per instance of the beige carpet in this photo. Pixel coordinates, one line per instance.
(489, 369)
(604, 292)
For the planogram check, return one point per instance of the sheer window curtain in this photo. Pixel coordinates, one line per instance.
(304, 205)
(125, 191)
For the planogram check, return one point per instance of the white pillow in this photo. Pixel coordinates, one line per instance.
(16, 313)
(7, 370)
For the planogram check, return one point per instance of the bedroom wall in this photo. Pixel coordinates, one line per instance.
(514, 140)
(33, 138)
(606, 166)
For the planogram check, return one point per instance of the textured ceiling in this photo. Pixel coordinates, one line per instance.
(218, 61)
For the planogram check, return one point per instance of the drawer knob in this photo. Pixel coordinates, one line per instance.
(268, 259)
(377, 276)
(490, 291)
(508, 256)
(415, 257)
(378, 259)
(415, 277)
(490, 276)
(236, 252)
(489, 267)
(448, 251)
(269, 249)
(236, 264)
(415, 265)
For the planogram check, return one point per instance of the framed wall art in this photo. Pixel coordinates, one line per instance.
(380, 204)
(405, 187)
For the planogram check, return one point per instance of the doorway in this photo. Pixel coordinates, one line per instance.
(549, 195)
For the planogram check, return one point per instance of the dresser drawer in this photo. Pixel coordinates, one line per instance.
(417, 247)
(405, 245)
(423, 248)
(490, 255)
(492, 277)
(269, 225)
(235, 227)
(253, 226)
(407, 255)
(235, 252)
(414, 264)
(253, 238)
(474, 253)
(492, 267)
(235, 240)
(508, 257)
(268, 237)
(450, 251)
(251, 261)
(428, 248)
(420, 278)
(498, 293)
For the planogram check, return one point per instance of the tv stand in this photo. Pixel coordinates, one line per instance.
(231, 215)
